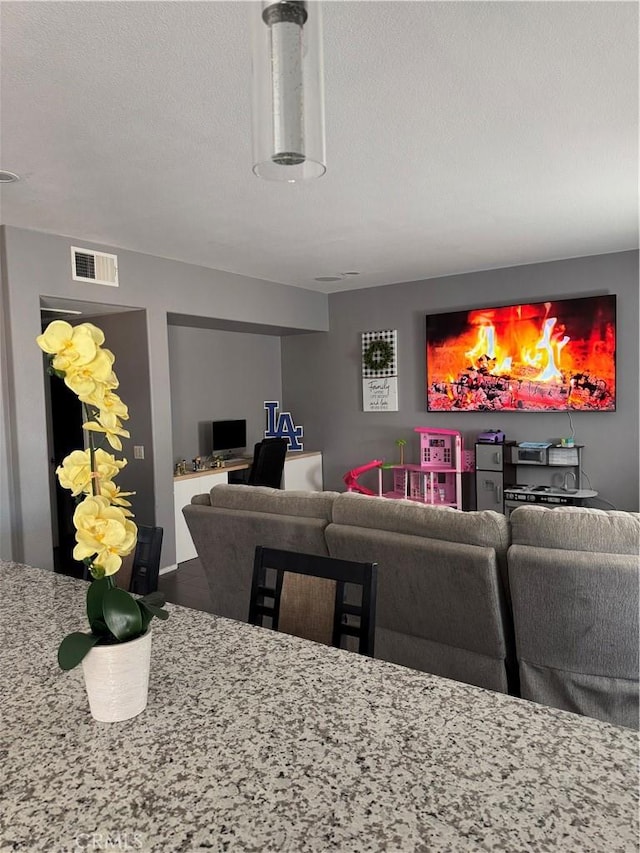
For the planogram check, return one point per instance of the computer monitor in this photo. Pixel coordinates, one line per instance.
(229, 435)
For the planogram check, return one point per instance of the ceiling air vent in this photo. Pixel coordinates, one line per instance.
(96, 267)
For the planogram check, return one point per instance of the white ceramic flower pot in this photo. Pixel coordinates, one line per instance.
(117, 679)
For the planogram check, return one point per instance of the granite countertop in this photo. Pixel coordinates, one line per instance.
(257, 741)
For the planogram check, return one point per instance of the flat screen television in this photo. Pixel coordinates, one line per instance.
(534, 357)
(229, 435)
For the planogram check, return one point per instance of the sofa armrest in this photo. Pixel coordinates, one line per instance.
(201, 500)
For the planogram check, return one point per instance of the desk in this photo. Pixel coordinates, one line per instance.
(302, 471)
(257, 741)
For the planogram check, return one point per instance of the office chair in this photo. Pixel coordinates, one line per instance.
(308, 597)
(268, 462)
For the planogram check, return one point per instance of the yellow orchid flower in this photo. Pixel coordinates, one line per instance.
(85, 379)
(75, 472)
(96, 395)
(109, 424)
(70, 345)
(96, 333)
(103, 533)
(101, 396)
(109, 490)
(112, 404)
(56, 337)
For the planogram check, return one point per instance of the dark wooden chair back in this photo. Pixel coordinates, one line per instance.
(146, 563)
(304, 594)
(140, 569)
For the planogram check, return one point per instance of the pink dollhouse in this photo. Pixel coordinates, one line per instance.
(437, 479)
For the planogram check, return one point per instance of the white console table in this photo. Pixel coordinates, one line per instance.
(302, 472)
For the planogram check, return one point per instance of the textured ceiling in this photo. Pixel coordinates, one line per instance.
(460, 136)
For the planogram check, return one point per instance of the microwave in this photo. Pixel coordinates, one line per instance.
(529, 455)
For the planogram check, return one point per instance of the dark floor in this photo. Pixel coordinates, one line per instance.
(187, 586)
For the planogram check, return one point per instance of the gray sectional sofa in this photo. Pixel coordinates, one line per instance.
(445, 583)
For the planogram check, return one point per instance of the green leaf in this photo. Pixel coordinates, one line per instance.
(145, 615)
(74, 648)
(95, 605)
(156, 598)
(122, 614)
(153, 610)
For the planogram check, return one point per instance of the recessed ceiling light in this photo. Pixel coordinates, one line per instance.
(59, 311)
(328, 278)
(8, 177)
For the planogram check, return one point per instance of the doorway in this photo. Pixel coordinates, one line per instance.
(66, 435)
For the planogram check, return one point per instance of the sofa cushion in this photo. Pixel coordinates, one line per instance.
(612, 700)
(577, 529)
(273, 501)
(486, 528)
(446, 592)
(576, 626)
(441, 659)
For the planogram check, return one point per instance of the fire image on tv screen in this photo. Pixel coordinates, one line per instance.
(539, 357)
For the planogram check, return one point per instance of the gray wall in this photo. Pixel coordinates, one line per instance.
(322, 380)
(38, 264)
(7, 486)
(320, 371)
(219, 375)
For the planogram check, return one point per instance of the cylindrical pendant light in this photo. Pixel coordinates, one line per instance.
(288, 91)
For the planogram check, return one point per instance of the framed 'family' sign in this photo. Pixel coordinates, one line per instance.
(380, 371)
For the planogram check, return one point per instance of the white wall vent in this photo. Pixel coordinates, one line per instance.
(96, 267)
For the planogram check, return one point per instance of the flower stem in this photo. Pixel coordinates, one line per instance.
(95, 482)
